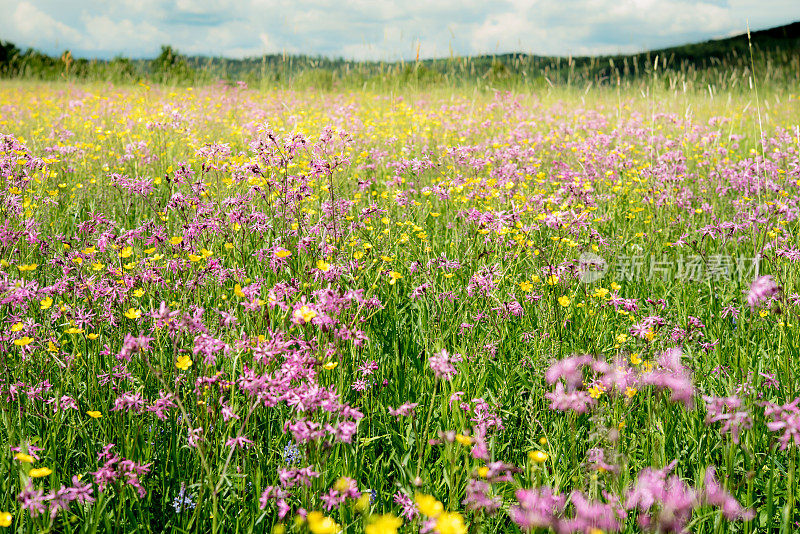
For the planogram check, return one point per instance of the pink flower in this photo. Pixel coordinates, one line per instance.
(762, 289)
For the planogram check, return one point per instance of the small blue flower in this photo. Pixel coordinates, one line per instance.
(183, 499)
(291, 454)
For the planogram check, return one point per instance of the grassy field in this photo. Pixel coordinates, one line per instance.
(573, 309)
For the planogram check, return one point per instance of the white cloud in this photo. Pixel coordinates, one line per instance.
(379, 29)
(37, 28)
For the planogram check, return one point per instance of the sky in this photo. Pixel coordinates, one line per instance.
(378, 29)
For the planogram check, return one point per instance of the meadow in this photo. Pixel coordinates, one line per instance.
(569, 309)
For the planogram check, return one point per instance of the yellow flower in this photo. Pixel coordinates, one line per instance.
(5, 519)
(362, 504)
(183, 362)
(282, 253)
(387, 259)
(237, 290)
(330, 366)
(279, 529)
(23, 341)
(600, 293)
(125, 252)
(16, 327)
(428, 505)
(133, 313)
(393, 277)
(630, 392)
(451, 523)
(305, 313)
(194, 258)
(384, 524)
(89, 250)
(74, 330)
(596, 391)
(526, 286)
(552, 280)
(92, 336)
(319, 524)
(51, 347)
(621, 338)
(323, 266)
(25, 268)
(40, 472)
(538, 457)
(94, 414)
(563, 300)
(635, 359)
(24, 458)
(138, 293)
(97, 266)
(176, 240)
(464, 440)
(46, 303)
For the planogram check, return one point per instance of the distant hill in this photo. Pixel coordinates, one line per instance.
(719, 63)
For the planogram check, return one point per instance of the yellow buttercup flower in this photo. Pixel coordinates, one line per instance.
(16, 327)
(450, 523)
(362, 504)
(94, 414)
(23, 341)
(464, 440)
(330, 366)
(5, 519)
(237, 290)
(183, 362)
(538, 457)
(133, 313)
(384, 524)
(394, 276)
(24, 458)
(564, 300)
(45, 303)
(323, 266)
(319, 524)
(40, 472)
(138, 293)
(282, 253)
(305, 313)
(428, 505)
(176, 240)
(125, 252)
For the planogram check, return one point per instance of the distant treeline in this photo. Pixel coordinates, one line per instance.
(719, 64)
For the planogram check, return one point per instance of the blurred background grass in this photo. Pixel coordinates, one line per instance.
(717, 65)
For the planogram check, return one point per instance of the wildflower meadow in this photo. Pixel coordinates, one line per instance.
(228, 309)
